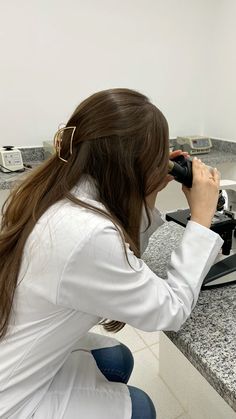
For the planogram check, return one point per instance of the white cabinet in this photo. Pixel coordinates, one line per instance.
(198, 398)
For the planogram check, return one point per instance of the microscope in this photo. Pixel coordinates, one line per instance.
(223, 222)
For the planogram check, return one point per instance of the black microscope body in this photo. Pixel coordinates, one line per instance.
(223, 222)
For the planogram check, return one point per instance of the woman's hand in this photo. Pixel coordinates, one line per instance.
(177, 153)
(203, 196)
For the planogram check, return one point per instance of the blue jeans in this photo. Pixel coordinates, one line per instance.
(116, 364)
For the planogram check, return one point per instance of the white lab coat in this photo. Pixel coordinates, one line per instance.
(74, 273)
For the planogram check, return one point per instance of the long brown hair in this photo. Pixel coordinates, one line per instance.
(121, 141)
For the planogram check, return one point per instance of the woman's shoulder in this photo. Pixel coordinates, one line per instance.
(69, 221)
(71, 217)
(63, 228)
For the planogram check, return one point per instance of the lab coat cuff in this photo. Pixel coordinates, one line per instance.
(204, 232)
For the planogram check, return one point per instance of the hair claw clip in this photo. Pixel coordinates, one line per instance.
(58, 141)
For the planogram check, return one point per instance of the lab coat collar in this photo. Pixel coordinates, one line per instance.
(86, 188)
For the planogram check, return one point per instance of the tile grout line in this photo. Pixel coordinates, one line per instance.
(132, 350)
(150, 347)
(185, 413)
(141, 349)
(140, 337)
(171, 392)
(144, 340)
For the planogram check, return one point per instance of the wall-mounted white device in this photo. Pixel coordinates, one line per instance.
(194, 144)
(10, 159)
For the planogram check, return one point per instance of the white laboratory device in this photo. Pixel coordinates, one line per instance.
(10, 159)
(194, 144)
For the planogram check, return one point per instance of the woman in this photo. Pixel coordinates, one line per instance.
(72, 235)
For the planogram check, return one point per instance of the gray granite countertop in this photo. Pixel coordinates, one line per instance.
(221, 152)
(208, 337)
(8, 180)
(31, 156)
(216, 157)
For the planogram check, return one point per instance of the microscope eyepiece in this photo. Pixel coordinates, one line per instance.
(181, 169)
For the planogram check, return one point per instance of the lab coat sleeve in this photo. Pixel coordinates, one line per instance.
(97, 279)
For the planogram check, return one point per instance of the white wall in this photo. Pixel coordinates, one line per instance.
(220, 110)
(54, 53)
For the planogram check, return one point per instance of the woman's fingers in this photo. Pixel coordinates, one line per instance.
(201, 169)
(216, 176)
(203, 195)
(177, 153)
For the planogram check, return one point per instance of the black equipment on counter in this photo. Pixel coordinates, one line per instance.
(223, 268)
(224, 226)
(223, 223)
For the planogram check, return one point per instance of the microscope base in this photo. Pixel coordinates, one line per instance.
(225, 269)
(224, 226)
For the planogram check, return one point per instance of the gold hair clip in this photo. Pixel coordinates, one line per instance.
(58, 141)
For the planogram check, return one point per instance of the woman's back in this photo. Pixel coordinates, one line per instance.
(41, 330)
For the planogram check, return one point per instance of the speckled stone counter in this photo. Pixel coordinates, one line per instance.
(221, 152)
(208, 337)
(7, 180)
(32, 156)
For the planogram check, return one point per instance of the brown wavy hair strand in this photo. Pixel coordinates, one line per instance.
(121, 141)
